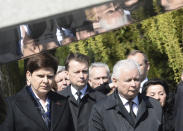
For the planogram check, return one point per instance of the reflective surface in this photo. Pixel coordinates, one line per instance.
(31, 38)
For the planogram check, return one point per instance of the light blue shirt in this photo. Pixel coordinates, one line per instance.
(74, 91)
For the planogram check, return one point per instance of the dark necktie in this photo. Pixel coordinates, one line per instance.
(132, 114)
(79, 96)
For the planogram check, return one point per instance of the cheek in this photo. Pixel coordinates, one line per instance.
(59, 83)
(163, 98)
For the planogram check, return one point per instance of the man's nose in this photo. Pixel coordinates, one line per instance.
(101, 81)
(157, 97)
(81, 74)
(45, 79)
(64, 81)
(132, 83)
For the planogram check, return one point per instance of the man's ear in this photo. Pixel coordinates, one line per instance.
(114, 81)
(148, 66)
(90, 83)
(28, 77)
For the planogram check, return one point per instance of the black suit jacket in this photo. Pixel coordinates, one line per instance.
(81, 112)
(111, 115)
(105, 89)
(23, 115)
(179, 108)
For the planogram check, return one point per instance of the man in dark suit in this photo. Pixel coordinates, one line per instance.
(81, 96)
(36, 107)
(126, 109)
(140, 58)
(178, 107)
(99, 77)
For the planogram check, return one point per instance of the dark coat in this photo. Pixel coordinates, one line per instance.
(105, 89)
(81, 112)
(168, 113)
(111, 115)
(179, 108)
(23, 115)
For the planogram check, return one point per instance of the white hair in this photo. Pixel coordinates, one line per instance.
(124, 64)
(99, 64)
(60, 69)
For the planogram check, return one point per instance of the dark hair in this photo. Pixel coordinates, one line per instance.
(43, 32)
(43, 60)
(3, 112)
(155, 82)
(77, 57)
(134, 52)
(169, 97)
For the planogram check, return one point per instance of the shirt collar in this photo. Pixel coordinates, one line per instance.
(43, 105)
(125, 101)
(142, 83)
(83, 91)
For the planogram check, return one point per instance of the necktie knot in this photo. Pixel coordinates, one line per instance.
(131, 104)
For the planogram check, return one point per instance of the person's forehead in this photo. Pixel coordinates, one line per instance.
(129, 72)
(44, 70)
(96, 71)
(76, 62)
(63, 73)
(139, 57)
(155, 88)
(104, 8)
(76, 65)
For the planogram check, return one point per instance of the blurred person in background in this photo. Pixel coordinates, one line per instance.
(111, 16)
(99, 77)
(61, 79)
(171, 4)
(141, 59)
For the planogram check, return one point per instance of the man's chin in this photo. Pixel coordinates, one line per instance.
(81, 85)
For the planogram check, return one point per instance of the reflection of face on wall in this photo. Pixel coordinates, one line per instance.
(111, 16)
(129, 4)
(30, 46)
(171, 4)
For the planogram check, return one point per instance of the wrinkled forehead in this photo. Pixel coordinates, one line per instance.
(129, 69)
(74, 62)
(138, 58)
(98, 70)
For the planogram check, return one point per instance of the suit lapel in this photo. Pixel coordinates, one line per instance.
(57, 110)
(142, 109)
(123, 111)
(114, 102)
(25, 103)
(67, 93)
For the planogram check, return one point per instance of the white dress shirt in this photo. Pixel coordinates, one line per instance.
(127, 106)
(142, 84)
(44, 105)
(74, 92)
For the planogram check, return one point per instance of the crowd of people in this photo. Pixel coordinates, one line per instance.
(80, 96)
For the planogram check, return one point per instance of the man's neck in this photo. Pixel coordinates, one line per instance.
(78, 88)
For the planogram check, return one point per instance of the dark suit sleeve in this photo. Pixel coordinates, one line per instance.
(105, 89)
(178, 108)
(8, 123)
(95, 121)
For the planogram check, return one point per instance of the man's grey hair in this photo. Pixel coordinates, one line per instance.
(99, 64)
(60, 69)
(124, 64)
